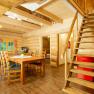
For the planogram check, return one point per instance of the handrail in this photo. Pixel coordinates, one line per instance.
(70, 32)
(67, 41)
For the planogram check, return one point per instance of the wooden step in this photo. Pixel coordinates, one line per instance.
(86, 36)
(85, 64)
(89, 55)
(88, 22)
(85, 42)
(15, 80)
(87, 26)
(81, 82)
(82, 72)
(15, 71)
(88, 18)
(12, 76)
(85, 48)
(90, 14)
(86, 31)
(71, 90)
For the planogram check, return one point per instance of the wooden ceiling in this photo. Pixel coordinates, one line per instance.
(53, 12)
(60, 8)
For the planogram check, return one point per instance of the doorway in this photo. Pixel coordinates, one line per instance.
(62, 44)
(46, 47)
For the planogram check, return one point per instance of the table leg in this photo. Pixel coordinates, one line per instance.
(43, 68)
(22, 73)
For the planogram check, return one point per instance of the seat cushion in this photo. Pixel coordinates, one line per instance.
(18, 67)
(13, 64)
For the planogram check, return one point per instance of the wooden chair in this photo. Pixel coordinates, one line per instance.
(10, 72)
(1, 64)
(37, 66)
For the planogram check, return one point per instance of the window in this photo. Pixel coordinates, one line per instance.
(7, 46)
(10, 46)
(4, 46)
(1, 46)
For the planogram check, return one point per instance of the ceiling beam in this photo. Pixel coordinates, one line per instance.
(6, 34)
(7, 20)
(16, 28)
(49, 15)
(6, 5)
(11, 3)
(31, 16)
(33, 1)
(3, 9)
(15, 3)
(7, 30)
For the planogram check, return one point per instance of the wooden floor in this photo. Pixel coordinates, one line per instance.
(52, 83)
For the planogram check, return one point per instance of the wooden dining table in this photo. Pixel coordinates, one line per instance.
(22, 60)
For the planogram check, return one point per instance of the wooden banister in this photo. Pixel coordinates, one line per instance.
(66, 45)
(70, 32)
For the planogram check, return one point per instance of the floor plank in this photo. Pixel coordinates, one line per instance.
(52, 83)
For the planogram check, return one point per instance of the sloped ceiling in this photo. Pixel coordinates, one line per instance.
(61, 8)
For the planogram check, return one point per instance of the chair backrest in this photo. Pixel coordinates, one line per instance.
(4, 59)
(0, 58)
(3, 63)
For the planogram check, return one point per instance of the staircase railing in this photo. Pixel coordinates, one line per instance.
(67, 42)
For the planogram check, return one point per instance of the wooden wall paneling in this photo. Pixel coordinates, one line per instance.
(90, 6)
(11, 37)
(86, 6)
(33, 43)
(78, 5)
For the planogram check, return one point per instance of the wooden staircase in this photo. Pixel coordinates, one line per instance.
(84, 47)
